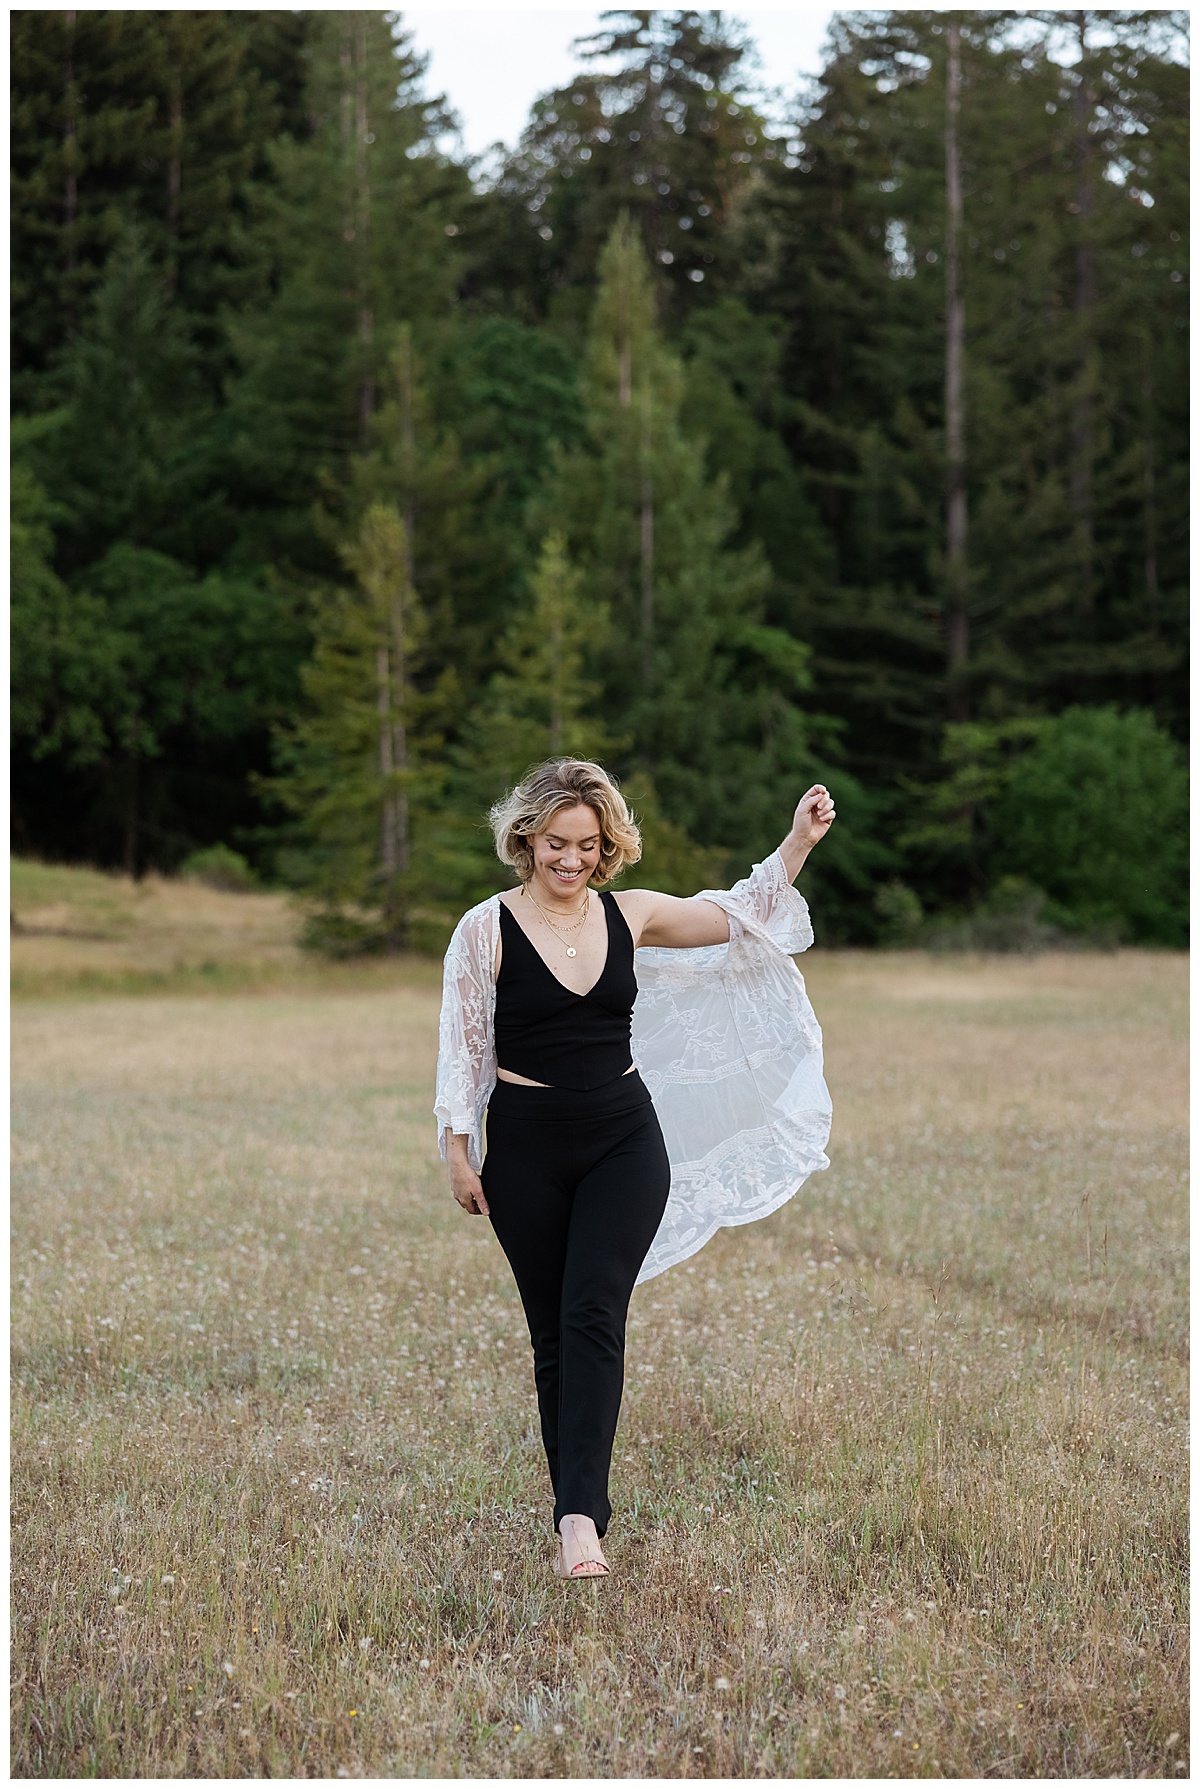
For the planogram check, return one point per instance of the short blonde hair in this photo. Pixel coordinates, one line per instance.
(544, 791)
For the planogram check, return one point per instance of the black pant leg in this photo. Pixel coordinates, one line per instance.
(530, 1208)
(617, 1209)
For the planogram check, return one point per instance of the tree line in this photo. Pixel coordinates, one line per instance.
(346, 484)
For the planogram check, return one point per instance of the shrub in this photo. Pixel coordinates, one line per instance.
(219, 867)
(1095, 814)
(900, 915)
(1010, 919)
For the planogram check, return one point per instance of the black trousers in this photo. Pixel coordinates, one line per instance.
(576, 1184)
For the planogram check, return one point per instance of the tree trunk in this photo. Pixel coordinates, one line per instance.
(408, 504)
(132, 857)
(957, 622)
(647, 546)
(556, 672)
(362, 190)
(408, 510)
(1149, 497)
(383, 684)
(356, 215)
(174, 178)
(1083, 427)
(70, 155)
(400, 815)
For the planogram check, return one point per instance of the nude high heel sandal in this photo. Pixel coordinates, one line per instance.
(583, 1568)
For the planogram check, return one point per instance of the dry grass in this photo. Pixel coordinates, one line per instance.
(78, 931)
(900, 1474)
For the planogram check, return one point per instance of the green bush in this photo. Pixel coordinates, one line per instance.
(900, 915)
(1095, 813)
(341, 936)
(219, 867)
(1011, 918)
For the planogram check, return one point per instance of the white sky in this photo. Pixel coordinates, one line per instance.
(492, 62)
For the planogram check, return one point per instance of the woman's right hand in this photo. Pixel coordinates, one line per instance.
(465, 1184)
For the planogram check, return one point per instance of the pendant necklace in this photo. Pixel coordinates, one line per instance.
(575, 929)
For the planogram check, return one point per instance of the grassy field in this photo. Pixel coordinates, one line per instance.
(901, 1472)
(79, 932)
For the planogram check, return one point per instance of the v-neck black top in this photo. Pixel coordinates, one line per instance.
(546, 1032)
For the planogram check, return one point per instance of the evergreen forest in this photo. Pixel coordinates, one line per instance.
(350, 477)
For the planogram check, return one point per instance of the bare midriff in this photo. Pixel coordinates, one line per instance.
(506, 1074)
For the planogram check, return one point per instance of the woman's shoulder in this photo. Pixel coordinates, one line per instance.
(632, 900)
(477, 922)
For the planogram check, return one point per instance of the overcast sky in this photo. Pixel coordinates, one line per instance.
(492, 62)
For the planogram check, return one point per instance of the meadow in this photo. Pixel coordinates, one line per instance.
(901, 1473)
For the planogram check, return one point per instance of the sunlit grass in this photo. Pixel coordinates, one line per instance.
(900, 1476)
(79, 931)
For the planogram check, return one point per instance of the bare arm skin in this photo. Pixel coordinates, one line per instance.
(665, 921)
(465, 1184)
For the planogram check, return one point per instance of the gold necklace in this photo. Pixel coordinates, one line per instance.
(575, 930)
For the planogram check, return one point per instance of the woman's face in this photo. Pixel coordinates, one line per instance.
(565, 855)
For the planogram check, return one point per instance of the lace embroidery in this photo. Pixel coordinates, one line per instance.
(725, 1038)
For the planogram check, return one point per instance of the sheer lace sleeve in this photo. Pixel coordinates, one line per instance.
(767, 899)
(466, 1067)
(730, 1048)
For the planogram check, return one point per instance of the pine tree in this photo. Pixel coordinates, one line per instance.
(704, 690)
(141, 476)
(356, 224)
(158, 120)
(357, 768)
(849, 248)
(668, 136)
(460, 555)
(542, 701)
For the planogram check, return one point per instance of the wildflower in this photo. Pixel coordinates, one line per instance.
(722, 1683)
(839, 1691)
(167, 1578)
(424, 1664)
(496, 1577)
(558, 1729)
(227, 1667)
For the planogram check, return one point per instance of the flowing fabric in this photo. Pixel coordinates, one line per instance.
(725, 1038)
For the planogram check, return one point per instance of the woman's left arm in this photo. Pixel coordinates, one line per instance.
(669, 923)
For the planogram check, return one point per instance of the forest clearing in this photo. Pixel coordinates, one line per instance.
(901, 1472)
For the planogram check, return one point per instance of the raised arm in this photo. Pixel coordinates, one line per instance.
(667, 922)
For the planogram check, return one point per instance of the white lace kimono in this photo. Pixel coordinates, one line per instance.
(724, 1037)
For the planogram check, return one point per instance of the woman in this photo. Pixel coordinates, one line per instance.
(602, 1170)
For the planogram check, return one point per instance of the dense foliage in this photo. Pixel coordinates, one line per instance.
(345, 483)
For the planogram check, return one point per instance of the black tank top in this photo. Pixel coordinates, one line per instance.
(547, 1033)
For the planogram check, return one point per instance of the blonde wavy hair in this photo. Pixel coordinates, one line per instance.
(544, 791)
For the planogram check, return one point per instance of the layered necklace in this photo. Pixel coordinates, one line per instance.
(571, 931)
